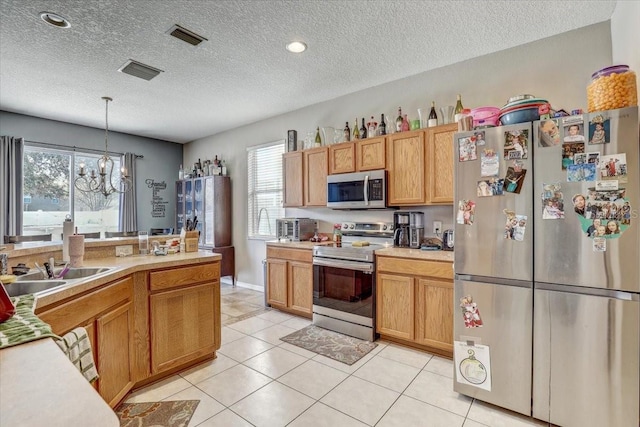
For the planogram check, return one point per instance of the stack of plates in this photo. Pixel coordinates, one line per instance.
(521, 108)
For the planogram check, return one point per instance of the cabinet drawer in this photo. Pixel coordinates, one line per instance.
(73, 313)
(176, 277)
(414, 267)
(302, 255)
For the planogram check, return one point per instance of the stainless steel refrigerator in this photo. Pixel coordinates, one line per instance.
(559, 303)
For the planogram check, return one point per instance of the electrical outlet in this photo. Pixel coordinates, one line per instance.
(124, 250)
(437, 227)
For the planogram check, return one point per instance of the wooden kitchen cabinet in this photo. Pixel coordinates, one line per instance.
(415, 303)
(184, 311)
(342, 158)
(406, 179)
(316, 169)
(107, 315)
(293, 179)
(440, 163)
(290, 280)
(371, 153)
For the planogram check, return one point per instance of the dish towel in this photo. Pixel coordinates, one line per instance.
(77, 346)
(24, 326)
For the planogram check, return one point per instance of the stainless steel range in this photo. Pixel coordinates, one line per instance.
(344, 279)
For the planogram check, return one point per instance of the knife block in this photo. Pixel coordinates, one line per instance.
(191, 241)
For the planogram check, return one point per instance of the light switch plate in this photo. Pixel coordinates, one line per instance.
(124, 250)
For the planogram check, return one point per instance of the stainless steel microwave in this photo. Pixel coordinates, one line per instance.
(360, 190)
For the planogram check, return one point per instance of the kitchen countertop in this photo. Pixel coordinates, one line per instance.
(122, 266)
(39, 386)
(446, 256)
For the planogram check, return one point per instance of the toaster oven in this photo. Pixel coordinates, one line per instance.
(295, 229)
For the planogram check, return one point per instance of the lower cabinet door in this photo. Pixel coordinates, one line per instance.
(300, 287)
(434, 313)
(114, 335)
(277, 282)
(394, 306)
(182, 326)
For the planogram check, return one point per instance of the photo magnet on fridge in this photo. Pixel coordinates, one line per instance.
(599, 130)
(548, 133)
(467, 149)
(514, 179)
(573, 130)
(489, 163)
(490, 187)
(516, 144)
(581, 172)
(552, 201)
(466, 211)
(599, 244)
(569, 151)
(473, 364)
(515, 226)
(613, 166)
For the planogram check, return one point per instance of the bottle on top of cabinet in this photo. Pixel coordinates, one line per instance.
(318, 141)
(363, 130)
(382, 126)
(356, 131)
(180, 173)
(347, 132)
(433, 117)
(458, 109)
(405, 124)
(399, 120)
(372, 127)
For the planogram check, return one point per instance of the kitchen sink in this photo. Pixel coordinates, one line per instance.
(32, 286)
(73, 273)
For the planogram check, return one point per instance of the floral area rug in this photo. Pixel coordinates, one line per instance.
(177, 413)
(337, 346)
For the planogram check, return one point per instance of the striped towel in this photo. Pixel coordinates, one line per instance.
(24, 326)
(77, 346)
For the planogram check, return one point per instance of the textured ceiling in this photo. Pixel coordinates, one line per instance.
(243, 74)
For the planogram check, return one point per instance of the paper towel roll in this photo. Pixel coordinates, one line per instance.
(67, 230)
(76, 250)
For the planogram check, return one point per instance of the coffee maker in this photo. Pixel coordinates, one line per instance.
(416, 229)
(409, 229)
(401, 226)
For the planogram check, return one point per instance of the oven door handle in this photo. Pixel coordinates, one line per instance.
(365, 267)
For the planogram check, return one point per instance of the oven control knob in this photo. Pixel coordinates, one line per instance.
(352, 226)
(345, 226)
(384, 227)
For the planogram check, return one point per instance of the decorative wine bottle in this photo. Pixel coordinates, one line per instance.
(458, 110)
(382, 126)
(405, 124)
(363, 130)
(318, 141)
(433, 117)
(356, 131)
(399, 120)
(347, 132)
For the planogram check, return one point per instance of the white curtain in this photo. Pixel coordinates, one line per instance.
(128, 211)
(11, 151)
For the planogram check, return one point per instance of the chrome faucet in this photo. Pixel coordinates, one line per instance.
(268, 221)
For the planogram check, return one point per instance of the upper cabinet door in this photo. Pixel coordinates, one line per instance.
(407, 181)
(293, 185)
(316, 168)
(371, 153)
(439, 143)
(342, 158)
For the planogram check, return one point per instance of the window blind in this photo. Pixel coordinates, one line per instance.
(264, 166)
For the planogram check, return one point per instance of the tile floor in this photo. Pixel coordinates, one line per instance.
(258, 380)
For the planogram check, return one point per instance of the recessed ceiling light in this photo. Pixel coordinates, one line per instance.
(296, 47)
(54, 19)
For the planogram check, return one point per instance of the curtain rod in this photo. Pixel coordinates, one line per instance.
(89, 150)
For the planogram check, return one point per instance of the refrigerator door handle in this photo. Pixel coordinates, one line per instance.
(494, 280)
(580, 290)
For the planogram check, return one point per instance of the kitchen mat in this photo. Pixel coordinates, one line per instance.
(337, 346)
(175, 413)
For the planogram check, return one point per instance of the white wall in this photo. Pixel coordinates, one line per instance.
(160, 163)
(557, 68)
(625, 36)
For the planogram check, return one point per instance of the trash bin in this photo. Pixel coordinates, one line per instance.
(264, 281)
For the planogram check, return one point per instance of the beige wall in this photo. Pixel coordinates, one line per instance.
(557, 68)
(625, 36)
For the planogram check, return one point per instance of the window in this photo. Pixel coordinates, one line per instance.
(49, 193)
(264, 165)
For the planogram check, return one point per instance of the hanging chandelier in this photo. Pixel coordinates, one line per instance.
(101, 183)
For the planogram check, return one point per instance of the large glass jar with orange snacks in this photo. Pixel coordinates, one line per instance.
(611, 88)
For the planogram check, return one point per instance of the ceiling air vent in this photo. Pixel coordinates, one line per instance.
(138, 69)
(185, 35)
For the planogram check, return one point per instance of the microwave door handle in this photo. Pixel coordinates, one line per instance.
(366, 189)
